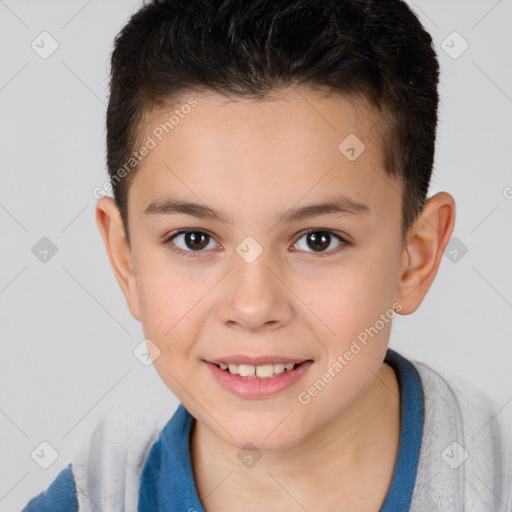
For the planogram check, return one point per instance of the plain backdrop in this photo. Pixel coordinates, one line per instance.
(67, 336)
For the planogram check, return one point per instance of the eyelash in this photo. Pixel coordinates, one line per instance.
(193, 254)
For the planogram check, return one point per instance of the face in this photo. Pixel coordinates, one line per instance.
(254, 271)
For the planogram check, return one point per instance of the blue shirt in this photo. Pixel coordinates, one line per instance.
(167, 482)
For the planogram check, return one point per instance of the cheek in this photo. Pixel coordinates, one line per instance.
(168, 303)
(171, 315)
(348, 296)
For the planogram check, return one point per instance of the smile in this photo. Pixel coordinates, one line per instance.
(262, 381)
(266, 371)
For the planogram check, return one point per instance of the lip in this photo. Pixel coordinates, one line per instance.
(256, 361)
(248, 387)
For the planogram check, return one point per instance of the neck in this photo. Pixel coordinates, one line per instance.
(352, 455)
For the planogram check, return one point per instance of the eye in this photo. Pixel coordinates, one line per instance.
(192, 241)
(319, 241)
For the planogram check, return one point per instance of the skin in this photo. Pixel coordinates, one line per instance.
(254, 160)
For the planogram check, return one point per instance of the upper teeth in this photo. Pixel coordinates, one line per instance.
(263, 371)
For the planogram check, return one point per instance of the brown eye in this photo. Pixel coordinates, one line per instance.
(319, 241)
(190, 242)
(196, 240)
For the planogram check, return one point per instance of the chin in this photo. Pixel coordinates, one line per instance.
(271, 436)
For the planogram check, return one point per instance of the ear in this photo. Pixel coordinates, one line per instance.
(423, 250)
(119, 252)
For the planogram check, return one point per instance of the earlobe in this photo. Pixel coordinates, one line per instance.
(424, 249)
(110, 225)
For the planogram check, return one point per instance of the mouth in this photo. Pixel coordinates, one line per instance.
(258, 381)
(264, 371)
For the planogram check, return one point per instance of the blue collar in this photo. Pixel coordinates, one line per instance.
(399, 495)
(167, 482)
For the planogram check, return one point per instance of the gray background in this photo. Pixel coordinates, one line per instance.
(67, 335)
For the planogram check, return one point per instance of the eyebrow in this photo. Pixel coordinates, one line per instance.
(340, 205)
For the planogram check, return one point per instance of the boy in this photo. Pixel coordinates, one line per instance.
(270, 164)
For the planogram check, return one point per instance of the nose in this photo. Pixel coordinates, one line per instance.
(254, 299)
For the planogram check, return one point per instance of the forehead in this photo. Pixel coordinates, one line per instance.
(295, 143)
(282, 116)
(301, 109)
